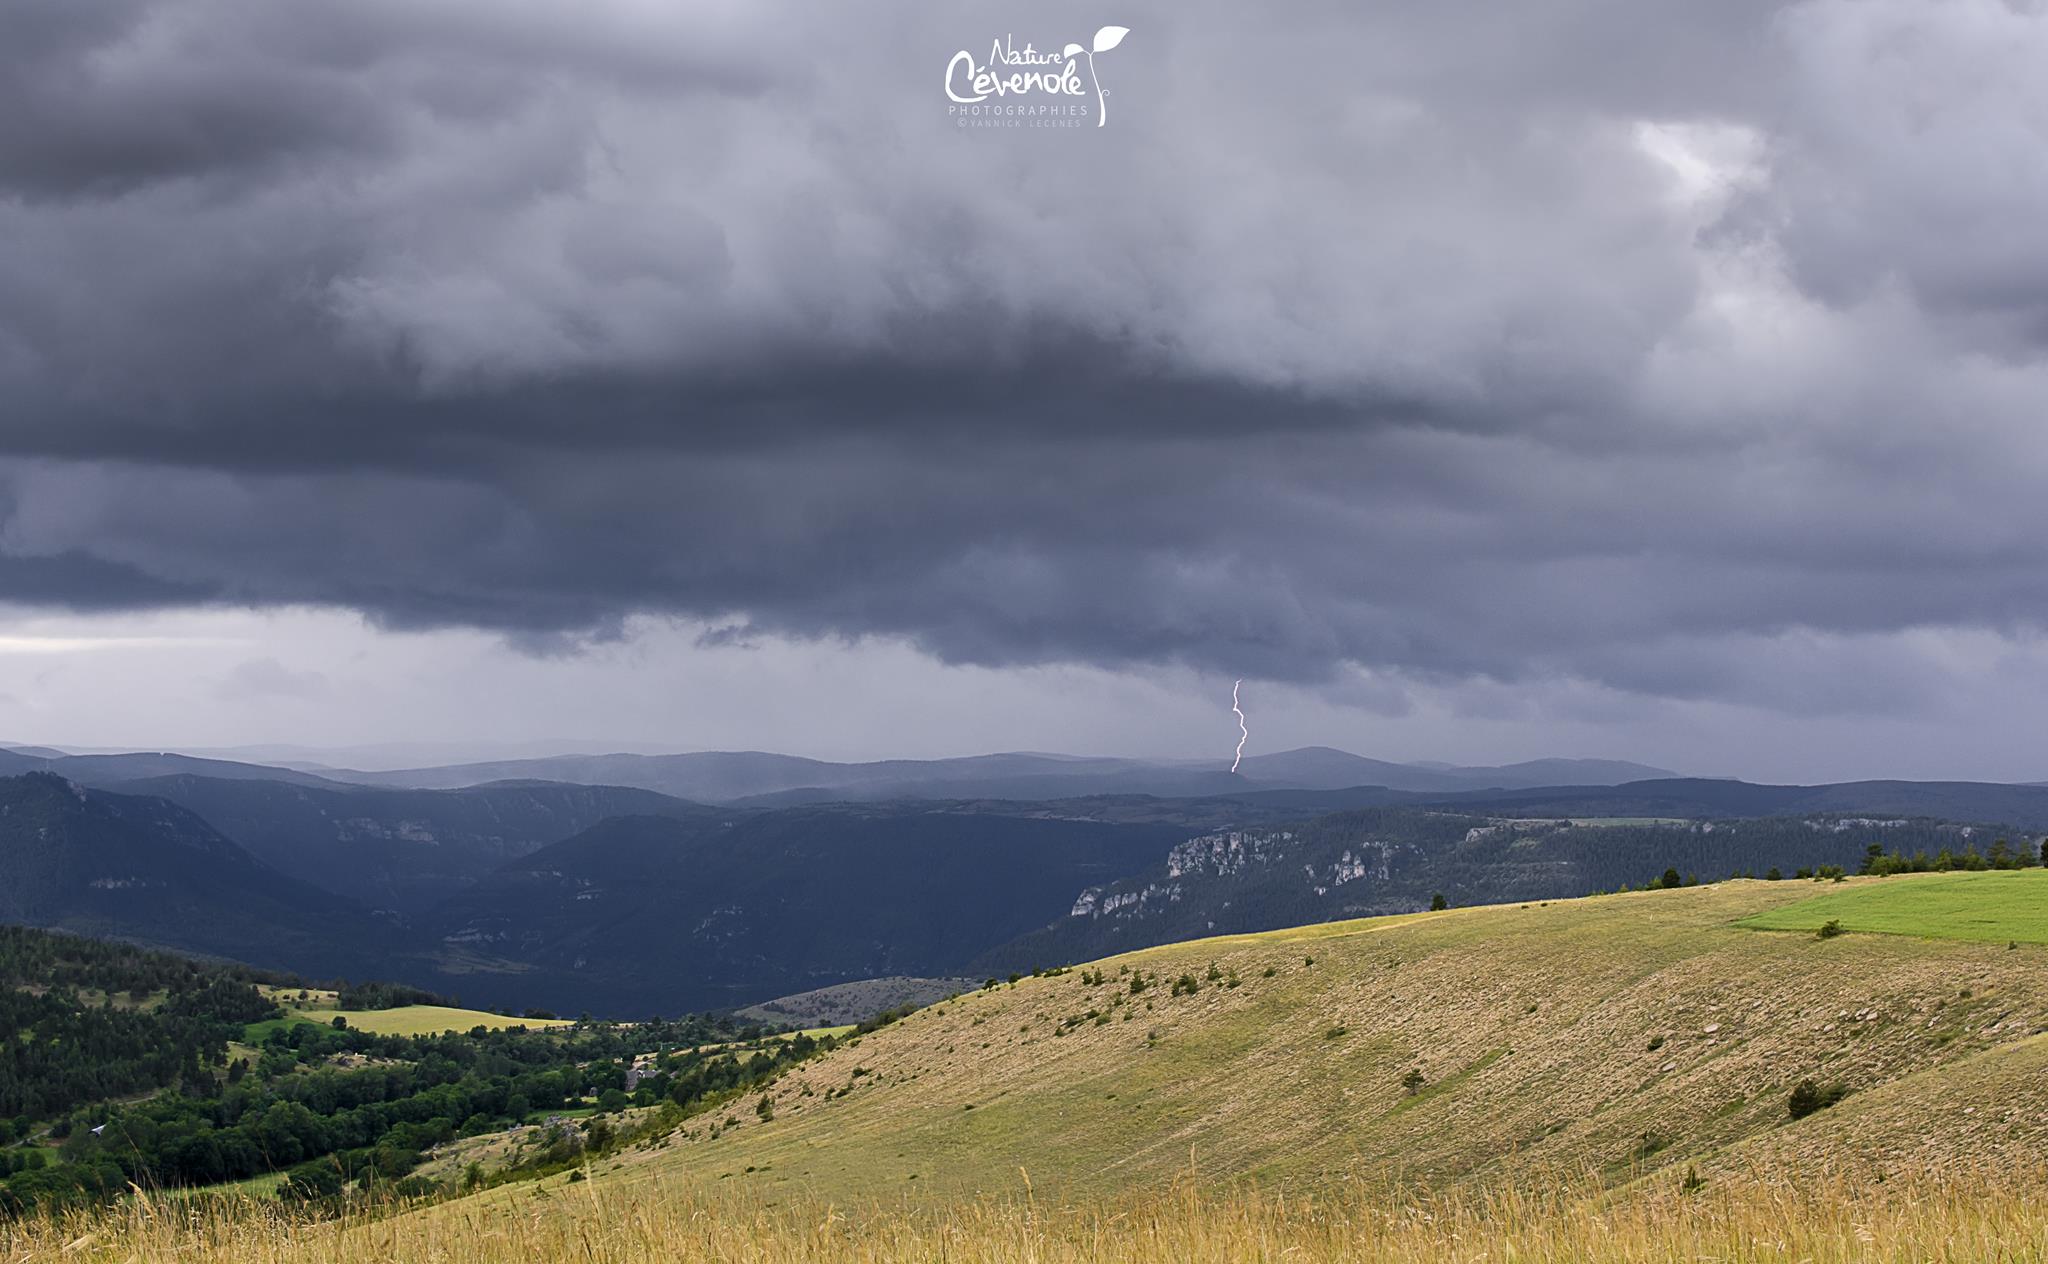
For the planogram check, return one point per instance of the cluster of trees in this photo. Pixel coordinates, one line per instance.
(296, 1111)
(2001, 855)
(83, 1023)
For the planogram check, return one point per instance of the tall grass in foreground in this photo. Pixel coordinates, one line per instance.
(1940, 1217)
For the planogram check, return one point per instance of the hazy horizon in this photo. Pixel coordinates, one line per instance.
(385, 757)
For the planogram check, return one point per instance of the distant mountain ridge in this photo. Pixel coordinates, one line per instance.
(774, 780)
(625, 901)
(107, 770)
(2021, 806)
(766, 779)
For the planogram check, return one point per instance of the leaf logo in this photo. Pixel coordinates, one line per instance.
(1013, 71)
(1105, 39)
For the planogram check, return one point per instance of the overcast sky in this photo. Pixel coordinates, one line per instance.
(1657, 380)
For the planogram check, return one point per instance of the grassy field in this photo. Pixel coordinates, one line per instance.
(1603, 1080)
(404, 1020)
(1992, 907)
(424, 1020)
(318, 1005)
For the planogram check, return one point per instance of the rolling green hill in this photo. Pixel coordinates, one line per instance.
(1619, 1033)
(1992, 907)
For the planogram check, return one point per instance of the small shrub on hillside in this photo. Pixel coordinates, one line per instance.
(1808, 1097)
(1829, 929)
(1656, 1043)
(311, 1182)
(1437, 903)
(1334, 1032)
(1413, 1081)
(883, 1019)
(1186, 983)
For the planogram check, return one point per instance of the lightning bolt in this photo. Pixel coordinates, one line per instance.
(1242, 732)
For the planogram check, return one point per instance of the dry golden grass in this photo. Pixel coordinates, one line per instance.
(1938, 1216)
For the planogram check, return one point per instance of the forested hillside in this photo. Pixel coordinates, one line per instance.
(82, 1021)
(650, 915)
(402, 849)
(144, 869)
(120, 1067)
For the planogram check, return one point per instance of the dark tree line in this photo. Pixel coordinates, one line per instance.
(2002, 854)
(377, 995)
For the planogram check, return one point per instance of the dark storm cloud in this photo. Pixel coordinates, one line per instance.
(1594, 341)
(80, 581)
